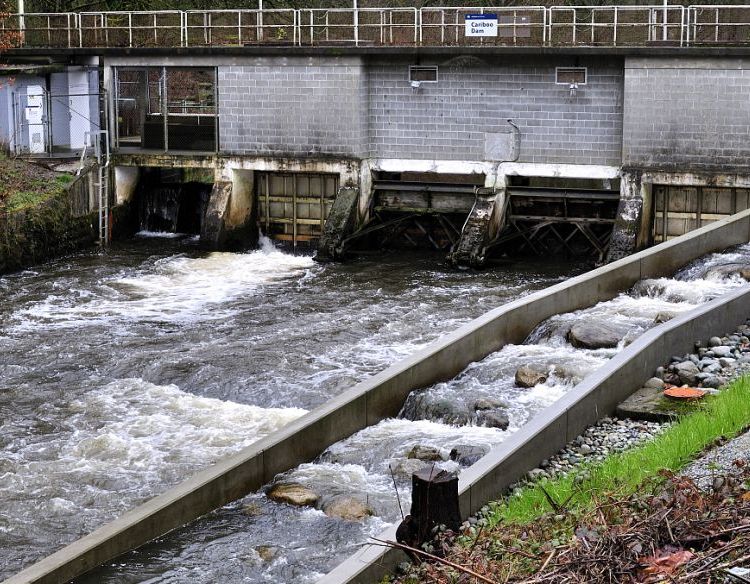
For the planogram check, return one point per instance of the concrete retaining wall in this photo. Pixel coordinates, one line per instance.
(547, 433)
(382, 396)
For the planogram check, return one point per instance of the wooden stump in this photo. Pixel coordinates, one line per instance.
(434, 501)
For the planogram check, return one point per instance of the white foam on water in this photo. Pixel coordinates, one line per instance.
(130, 440)
(173, 289)
(159, 234)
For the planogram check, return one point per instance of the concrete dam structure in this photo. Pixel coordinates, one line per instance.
(580, 131)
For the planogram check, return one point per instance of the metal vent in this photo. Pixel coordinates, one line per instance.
(571, 75)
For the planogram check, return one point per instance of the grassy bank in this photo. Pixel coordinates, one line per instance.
(608, 507)
(37, 221)
(724, 414)
(24, 185)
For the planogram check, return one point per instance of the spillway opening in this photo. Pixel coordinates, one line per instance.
(420, 210)
(173, 200)
(553, 216)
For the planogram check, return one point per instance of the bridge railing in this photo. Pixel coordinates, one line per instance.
(212, 28)
(717, 25)
(521, 26)
(557, 26)
(616, 25)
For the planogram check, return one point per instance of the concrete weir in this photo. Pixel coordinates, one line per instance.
(382, 396)
(546, 434)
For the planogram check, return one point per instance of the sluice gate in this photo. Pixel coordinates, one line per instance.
(549, 221)
(457, 215)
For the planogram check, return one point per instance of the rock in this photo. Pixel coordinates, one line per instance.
(536, 473)
(530, 375)
(348, 508)
(426, 453)
(596, 334)
(727, 362)
(664, 316)
(267, 552)
(714, 342)
(687, 372)
(722, 351)
(426, 405)
(489, 404)
(466, 455)
(252, 510)
(654, 382)
(493, 419)
(713, 381)
(585, 449)
(407, 467)
(727, 270)
(293, 494)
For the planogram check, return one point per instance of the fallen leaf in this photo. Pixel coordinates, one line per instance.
(664, 562)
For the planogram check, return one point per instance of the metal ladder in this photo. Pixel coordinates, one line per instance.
(101, 182)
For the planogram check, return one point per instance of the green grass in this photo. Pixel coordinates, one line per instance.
(37, 191)
(725, 414)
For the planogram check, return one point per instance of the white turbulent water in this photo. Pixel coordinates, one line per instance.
(122, 374)
(149, 368)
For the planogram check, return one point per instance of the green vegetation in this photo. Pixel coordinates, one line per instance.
(629, 518)
(722, 415)
(26, 185)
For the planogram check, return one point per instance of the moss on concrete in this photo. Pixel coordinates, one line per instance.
(36, 222)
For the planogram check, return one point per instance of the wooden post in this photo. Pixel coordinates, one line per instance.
(434, 501)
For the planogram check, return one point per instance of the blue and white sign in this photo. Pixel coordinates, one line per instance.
(481, 25)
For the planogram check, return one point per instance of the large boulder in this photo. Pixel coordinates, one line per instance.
(293, 494)
(596, 334)
(348, 508)
(530, 375)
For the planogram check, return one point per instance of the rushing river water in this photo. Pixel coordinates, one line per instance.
(122, 374)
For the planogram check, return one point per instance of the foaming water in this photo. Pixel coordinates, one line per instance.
(170, 289)
(282, 346)
(102, 454)
(122, 373)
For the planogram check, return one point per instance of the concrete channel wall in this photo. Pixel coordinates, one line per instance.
(547, 433)
(382, 396)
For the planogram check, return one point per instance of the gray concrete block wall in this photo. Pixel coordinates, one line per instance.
(473, 97)
(293, 106)
(687, 114)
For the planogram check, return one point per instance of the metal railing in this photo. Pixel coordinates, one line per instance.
(557, 26)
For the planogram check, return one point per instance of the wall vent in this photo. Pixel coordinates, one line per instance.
(423, 73)
(571, 75)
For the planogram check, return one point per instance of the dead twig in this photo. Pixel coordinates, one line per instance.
(434, 558)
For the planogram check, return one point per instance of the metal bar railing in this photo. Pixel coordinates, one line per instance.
(561, 26)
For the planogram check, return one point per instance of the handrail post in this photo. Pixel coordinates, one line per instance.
(259, 21)
(614, 32)
(356, 24)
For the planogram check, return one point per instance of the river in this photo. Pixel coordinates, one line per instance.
(123, 373)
